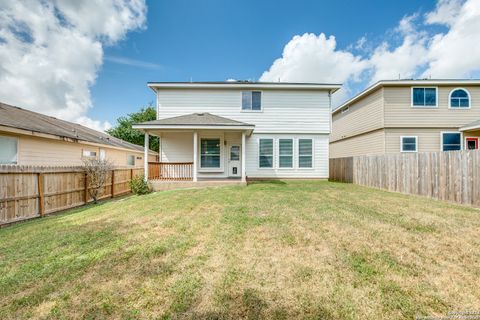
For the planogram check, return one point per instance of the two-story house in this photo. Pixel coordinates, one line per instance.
(408, 116)
(234, 130)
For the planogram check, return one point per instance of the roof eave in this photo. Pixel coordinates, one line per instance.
(268, 85)
(384, 83)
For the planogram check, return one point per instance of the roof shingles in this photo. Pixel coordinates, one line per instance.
(19, 118)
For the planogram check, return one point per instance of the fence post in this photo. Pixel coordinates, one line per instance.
(113, 183)
(86, 188)
(41, 195)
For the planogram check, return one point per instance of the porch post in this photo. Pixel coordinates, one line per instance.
(195, 155)
(244, 178)
(145, 157)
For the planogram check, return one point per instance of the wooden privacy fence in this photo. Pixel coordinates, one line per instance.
(32, 191)
(452, 176)
(170, 170)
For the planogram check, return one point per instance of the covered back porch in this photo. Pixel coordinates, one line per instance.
(197, 149)
(471, 135)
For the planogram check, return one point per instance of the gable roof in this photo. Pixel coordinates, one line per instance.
(204, 119)
(18, 118)
(408, 82)
(249, 85)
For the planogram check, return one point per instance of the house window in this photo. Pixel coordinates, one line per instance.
(459, 98)
(89, 154)
(8, 150)
(408, 144)
(305, 153)
(265, 153)
(252, 100)
(235, 153)
(103, 154)
(210, 153)
(424, 97)
(131, 160)
(451, 141)
(285, 153)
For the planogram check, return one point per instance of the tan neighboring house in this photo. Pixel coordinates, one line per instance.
(395, 116)
(30, 138)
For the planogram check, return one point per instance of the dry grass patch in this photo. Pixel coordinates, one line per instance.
(313, 250)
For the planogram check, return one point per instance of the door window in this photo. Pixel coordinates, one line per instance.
(235, 153)
(472, 143)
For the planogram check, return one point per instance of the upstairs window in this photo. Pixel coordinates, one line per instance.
(408, 144)
(451, 141)
(210, 153)
(251, 100)
(265, 153)
(424, 97)
(305, 153)
(459, 98)
(8, 150)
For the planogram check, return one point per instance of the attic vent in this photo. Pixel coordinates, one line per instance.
(200, 114)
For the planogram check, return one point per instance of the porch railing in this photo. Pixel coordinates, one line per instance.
(170, 171)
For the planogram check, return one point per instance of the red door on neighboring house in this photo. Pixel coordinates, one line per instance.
(471, 143)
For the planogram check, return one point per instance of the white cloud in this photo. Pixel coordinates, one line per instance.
(133, 62)
(420, 52)
(312, 58)
(50, 52)
(455, 54)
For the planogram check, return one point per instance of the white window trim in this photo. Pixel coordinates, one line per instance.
(441, 139)
(298, 153)
(134, 159)
(459, 108)
(409, 151)
(222, 155)
(261, 101)
(18, 148)
(424, 107)
(273, 153)
(293, 154)
(89, 157)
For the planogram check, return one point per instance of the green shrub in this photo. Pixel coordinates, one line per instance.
(139, 185)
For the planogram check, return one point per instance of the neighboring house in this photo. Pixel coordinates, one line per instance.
(408, 116)
(241, 129)
(30, 138)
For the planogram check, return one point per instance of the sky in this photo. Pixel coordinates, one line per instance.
(90, 61)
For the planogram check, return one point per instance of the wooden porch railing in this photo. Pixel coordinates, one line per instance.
(170, 171)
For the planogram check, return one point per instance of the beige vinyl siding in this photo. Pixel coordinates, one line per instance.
(293, 111)
(362, 116)
(399, 113)
(369, 143)
(50, 152)
(428, 139)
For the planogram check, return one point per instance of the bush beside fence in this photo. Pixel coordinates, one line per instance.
(452, 176)
(33, 191)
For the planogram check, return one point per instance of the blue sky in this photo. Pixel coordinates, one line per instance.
(89, 61)
(217, 40)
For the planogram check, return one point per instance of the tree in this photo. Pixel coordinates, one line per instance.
(123, 129)
(97, 173)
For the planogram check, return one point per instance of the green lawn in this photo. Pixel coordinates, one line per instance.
(315, 250)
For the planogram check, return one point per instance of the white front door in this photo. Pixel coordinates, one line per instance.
(234, 161)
